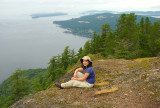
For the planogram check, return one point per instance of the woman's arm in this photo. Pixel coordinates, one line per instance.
(77, 70)
(81, 79)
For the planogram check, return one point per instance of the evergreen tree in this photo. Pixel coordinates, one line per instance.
(79, 54)
(121, 23)
(106, 31)
(66, 57)
(142, 25)
(74, 57)
(58, 65)
(155, 39)
(38, 83)
(59, 72)
(147, 26)
(7, 101)
(52, 66)
(20, 85)
(1, 102)
(95, 44)
(36, 86)
(110, 44)
(87, 48)
(144, 45)
(126, 39)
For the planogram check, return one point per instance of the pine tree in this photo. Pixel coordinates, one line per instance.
(52, 66)
(87, 48)
(36, 85)
(110, 44)
(59, 72)
(126, 37)
(66, 57)
(147, 26)
(1, 100)
(79, 54)
(155, 39)
(95, 44)
(106, 31)
(74, 57)
(20, 85)
(121, 23)
(142, 25)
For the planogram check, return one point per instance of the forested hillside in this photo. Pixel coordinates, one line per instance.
(20, 84)
(130, 40)
(87, 25)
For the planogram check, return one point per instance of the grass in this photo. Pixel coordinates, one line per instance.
(101, 84)
(103, 91)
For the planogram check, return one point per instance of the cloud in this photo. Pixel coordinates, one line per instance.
(156, 7)
(15, 7)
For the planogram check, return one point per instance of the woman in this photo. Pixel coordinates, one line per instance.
(79, 79)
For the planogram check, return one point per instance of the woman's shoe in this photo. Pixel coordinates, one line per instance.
(58, 85)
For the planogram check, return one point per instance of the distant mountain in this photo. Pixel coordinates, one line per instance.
(38, 15)
(86, 25)
(145, 13)
(96, 12)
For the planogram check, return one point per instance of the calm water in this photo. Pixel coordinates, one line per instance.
(30, 43)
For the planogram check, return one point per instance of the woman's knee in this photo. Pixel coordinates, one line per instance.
(80, 75)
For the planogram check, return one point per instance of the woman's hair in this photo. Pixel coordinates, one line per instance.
(89, 65)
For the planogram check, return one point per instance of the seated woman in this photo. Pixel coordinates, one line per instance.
(79, 79)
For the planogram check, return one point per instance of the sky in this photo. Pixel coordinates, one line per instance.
(11, 8)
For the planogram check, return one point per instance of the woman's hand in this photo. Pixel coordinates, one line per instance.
(75, 75)
(77, 70)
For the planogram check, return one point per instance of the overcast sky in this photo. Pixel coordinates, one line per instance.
(9, 8)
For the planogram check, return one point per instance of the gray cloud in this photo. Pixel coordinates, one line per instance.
(156, 7)
(16, 7)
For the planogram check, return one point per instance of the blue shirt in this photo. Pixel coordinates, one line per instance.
(91, 78)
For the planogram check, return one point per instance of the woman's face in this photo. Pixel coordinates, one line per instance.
(85, 63)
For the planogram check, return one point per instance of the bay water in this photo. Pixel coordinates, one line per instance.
(28, 43)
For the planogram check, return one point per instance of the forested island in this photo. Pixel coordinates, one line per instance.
(39, 15)
(87, 25)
